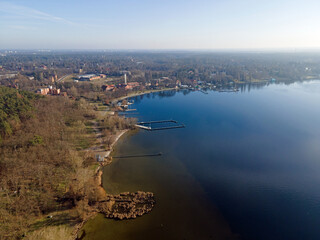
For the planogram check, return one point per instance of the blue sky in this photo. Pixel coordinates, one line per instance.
(163, 24)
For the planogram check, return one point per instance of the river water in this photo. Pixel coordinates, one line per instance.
(247, 166)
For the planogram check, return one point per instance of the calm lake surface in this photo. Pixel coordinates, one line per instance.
(247, 166)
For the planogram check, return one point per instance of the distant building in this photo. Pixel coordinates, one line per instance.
(43, 91)
(121, 85)
(88, 77)
(54, 91)
(91, 77)
(48, 90)
(9, 75)
(132, 85)
(128, 86)
(108, 87)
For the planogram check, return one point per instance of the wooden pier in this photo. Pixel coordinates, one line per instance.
(159, 125)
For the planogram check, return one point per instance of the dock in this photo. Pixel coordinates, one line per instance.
(139, 156)
(159, 125)
(203, 91)
(229, 90)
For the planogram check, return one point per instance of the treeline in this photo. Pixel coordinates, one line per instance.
(212, 67)
(15, 107)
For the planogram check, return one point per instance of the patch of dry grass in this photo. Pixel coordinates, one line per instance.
(51, 233)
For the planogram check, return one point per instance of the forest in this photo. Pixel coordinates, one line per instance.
(15, 106)
(43, 167)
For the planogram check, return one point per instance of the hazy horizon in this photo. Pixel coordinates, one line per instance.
(167, 25)
(222, 50)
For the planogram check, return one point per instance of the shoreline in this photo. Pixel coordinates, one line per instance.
(142, 93)
(117, 138)
(98, 181)
(123, 206)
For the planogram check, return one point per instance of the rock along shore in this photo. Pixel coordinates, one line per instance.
(126, 205)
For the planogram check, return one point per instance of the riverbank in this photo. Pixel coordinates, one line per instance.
(126, 205)
(98, 179)
(135, 94)
(107, 155)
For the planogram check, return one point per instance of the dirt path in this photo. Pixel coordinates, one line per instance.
(99, 148)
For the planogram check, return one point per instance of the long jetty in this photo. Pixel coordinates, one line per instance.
(141, 155)
(165, 125)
